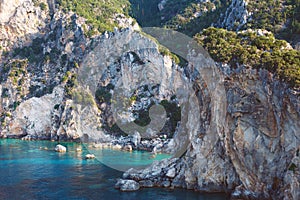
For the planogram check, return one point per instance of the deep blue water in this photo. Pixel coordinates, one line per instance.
(28, 171)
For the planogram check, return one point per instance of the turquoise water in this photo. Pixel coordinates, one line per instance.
(123, 160)
(29, 171)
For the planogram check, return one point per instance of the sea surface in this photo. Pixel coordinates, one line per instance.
(33, 170)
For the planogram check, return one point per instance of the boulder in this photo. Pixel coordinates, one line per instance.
(127, 147)
(90, 156)
(60, 148)
(127, 185)
(166, 183)
(78, 149)
(171, 173)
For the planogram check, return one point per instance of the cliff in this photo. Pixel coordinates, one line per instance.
(242, 125)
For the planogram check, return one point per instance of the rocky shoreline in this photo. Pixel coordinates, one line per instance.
(127, 143)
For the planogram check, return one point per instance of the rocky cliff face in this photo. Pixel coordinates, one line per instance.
(236, 15)
(253, 152)
(41, 55)
(243, 125)
(21, 21)
(37, 51)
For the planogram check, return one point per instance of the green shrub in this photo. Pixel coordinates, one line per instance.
(14, 105)
(43, 6)
(103, 95)
(292, 167)
(99, 14)
(250, 49)
(166, 52)
(143, 119)
(82, 97)
(56, 107)
(34, 52)
(114, 130)
(4, 93)
(146, 12)
(17, 71)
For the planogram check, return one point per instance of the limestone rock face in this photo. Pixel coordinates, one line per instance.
(254, 148)
(21, 21)
(236, 15)
(33, 117)
(8, 9)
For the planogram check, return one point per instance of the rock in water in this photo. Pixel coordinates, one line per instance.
(127, 147)
(60, 148)
(127, 185)
(117, 147)
(78, 150)
(90, 156)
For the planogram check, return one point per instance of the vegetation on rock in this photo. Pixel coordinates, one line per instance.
(249, 48)
(274, 15)
(99, 14)
(146, 12)
(189, 17)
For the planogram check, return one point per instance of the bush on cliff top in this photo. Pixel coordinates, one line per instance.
(251, 49)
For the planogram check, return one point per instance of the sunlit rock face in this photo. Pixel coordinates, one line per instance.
(8, 9)
(33, 117)
(21, 21)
